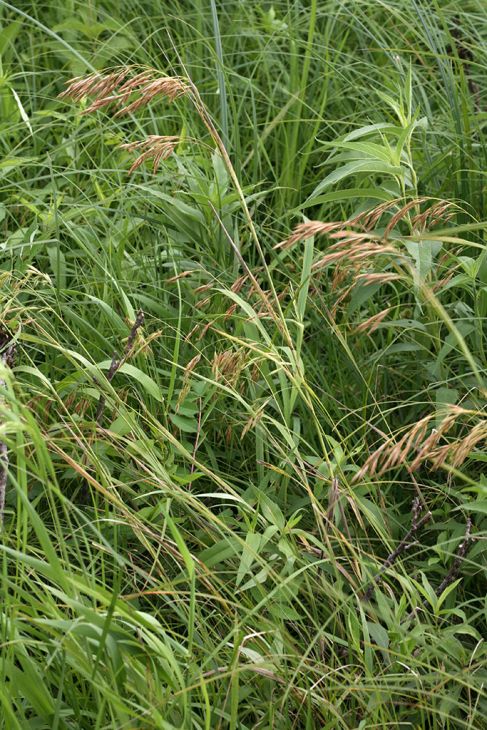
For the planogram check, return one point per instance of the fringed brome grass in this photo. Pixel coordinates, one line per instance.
(242, 436)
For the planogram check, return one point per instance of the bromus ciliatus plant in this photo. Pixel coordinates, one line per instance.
(245, 415)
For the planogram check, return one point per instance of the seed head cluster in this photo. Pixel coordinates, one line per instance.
(127, 92)
(155, 147)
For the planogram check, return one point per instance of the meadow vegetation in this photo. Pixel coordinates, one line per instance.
(243, 378)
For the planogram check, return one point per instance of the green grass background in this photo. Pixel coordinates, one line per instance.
(199, 557)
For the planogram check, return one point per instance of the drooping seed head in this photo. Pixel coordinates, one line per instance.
(128, 94)
(155, 147)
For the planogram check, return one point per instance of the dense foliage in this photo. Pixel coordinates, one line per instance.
(242, 413)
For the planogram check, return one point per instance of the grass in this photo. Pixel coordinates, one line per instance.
(262, 504)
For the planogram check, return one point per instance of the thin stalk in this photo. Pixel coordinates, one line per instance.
(220, 76)
(301, 93)
(6, 360)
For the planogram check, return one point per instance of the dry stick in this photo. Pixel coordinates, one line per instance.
(116, 364)
(406, 543)
(462, 550)
(6, 359)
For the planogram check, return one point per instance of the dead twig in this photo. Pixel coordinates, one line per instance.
(116, 363)
(462, 550)
(406, 543)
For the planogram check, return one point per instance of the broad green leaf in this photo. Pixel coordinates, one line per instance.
(353, 168)
(186, 424)
(145, 381)
(480, 506)
(348, 194)
(369, 149)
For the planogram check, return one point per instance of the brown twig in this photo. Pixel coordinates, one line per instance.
(462, 550)
(406, 543)
(116, 363)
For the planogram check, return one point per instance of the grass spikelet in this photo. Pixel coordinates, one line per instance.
(354, 254)
(228, 365)
(96, 85)
(377, 278)
(400, 214)
(192, 364)
(170, 87)
(440, 212)
(307, 230)
(371, 324)
(457, 451)
(154, 147)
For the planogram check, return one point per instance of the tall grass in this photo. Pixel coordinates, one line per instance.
(264, 506)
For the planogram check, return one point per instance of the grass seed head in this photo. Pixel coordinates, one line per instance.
(154, 147)
(128, 94)
(371, 324)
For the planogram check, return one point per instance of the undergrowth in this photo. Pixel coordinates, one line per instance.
(243, 376)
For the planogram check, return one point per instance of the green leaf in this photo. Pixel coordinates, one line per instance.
(249, 554)
(371, 129)
(349, 194)
(446, 593)
(369, 149)
(480, 506)
(145, 381)
(30, 684)
(378, 634)
(184, 423)
(355, 167)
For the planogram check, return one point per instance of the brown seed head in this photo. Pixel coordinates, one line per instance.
(371, 324)
(307, 230)
(155, 147)
(114, 88)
